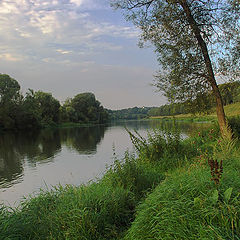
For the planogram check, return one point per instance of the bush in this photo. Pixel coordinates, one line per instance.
(234, 123)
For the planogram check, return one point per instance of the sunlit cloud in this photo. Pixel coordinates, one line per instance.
(77, 2)
(50, 23)
(63, 51)
(9, 57)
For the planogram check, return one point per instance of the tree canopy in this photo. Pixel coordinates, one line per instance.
(38, 109)
(84, 108)
(9, 88)
(193, 40)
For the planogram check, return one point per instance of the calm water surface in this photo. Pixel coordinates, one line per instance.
(30, 161)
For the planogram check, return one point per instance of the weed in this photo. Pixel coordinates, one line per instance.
(216, 170)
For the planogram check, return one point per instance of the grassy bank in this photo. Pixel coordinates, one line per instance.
(165, 192)
(231, 110)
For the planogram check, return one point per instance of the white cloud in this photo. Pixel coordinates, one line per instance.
(77, 2)
(10, 58)
(60, 30)
(63, 51)
(47, 22)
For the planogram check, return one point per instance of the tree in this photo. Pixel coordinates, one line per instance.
(48, 107)
(230, 92)
(10, 99)
(30, 115)
(193, 39)
(84, 108)
(9, 88)
(86, 105)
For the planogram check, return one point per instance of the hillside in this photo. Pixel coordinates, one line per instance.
(231, 110)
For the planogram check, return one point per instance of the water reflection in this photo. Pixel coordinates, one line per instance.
(165, 125)
(41, 147)
(28, 160)
(10, 159)
(83, 140)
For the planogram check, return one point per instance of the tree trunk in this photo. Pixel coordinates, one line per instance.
(211, 78)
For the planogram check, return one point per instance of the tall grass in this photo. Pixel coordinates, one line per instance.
(189, 205)
(97, 211)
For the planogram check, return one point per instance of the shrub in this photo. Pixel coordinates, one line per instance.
(234, 123)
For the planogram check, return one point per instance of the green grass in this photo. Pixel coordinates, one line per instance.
(164, 192)
(189, 205)
(231, 110)
(184, 207)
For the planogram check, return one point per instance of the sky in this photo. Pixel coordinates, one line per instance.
(67, 47)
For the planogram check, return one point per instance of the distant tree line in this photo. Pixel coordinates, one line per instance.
(129, 113)
(203, 103)
(37, 109)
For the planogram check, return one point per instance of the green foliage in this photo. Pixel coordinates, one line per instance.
(40, 109)
(234, 123)
(230, 92)
(9, 89)
(48, 107)
(129, 113)
(135, 175)
(84, 108)
(184, 36)
(168, 110)
(101, 210)
(203, 103)
(10, 99)
(162, 147)
(187, 206)
(97, 211)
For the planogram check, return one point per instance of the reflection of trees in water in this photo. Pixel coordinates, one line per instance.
(34, 146)
(41, 147)
(187, 128)
(164, 125)
(10, 159)
(83, 140)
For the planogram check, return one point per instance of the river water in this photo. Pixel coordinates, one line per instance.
(30, 161)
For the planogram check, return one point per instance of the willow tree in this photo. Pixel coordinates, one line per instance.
(193, 39)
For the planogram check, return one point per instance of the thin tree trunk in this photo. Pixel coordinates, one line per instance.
(211, 78)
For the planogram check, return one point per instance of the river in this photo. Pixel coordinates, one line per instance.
(34, 160)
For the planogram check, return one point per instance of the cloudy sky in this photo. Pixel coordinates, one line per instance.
(71, 46)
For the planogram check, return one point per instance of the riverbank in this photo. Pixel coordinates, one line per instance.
(165, 192)
(231, 111)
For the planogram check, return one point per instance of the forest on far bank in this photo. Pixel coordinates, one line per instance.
(203, 103)
(37, 109)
